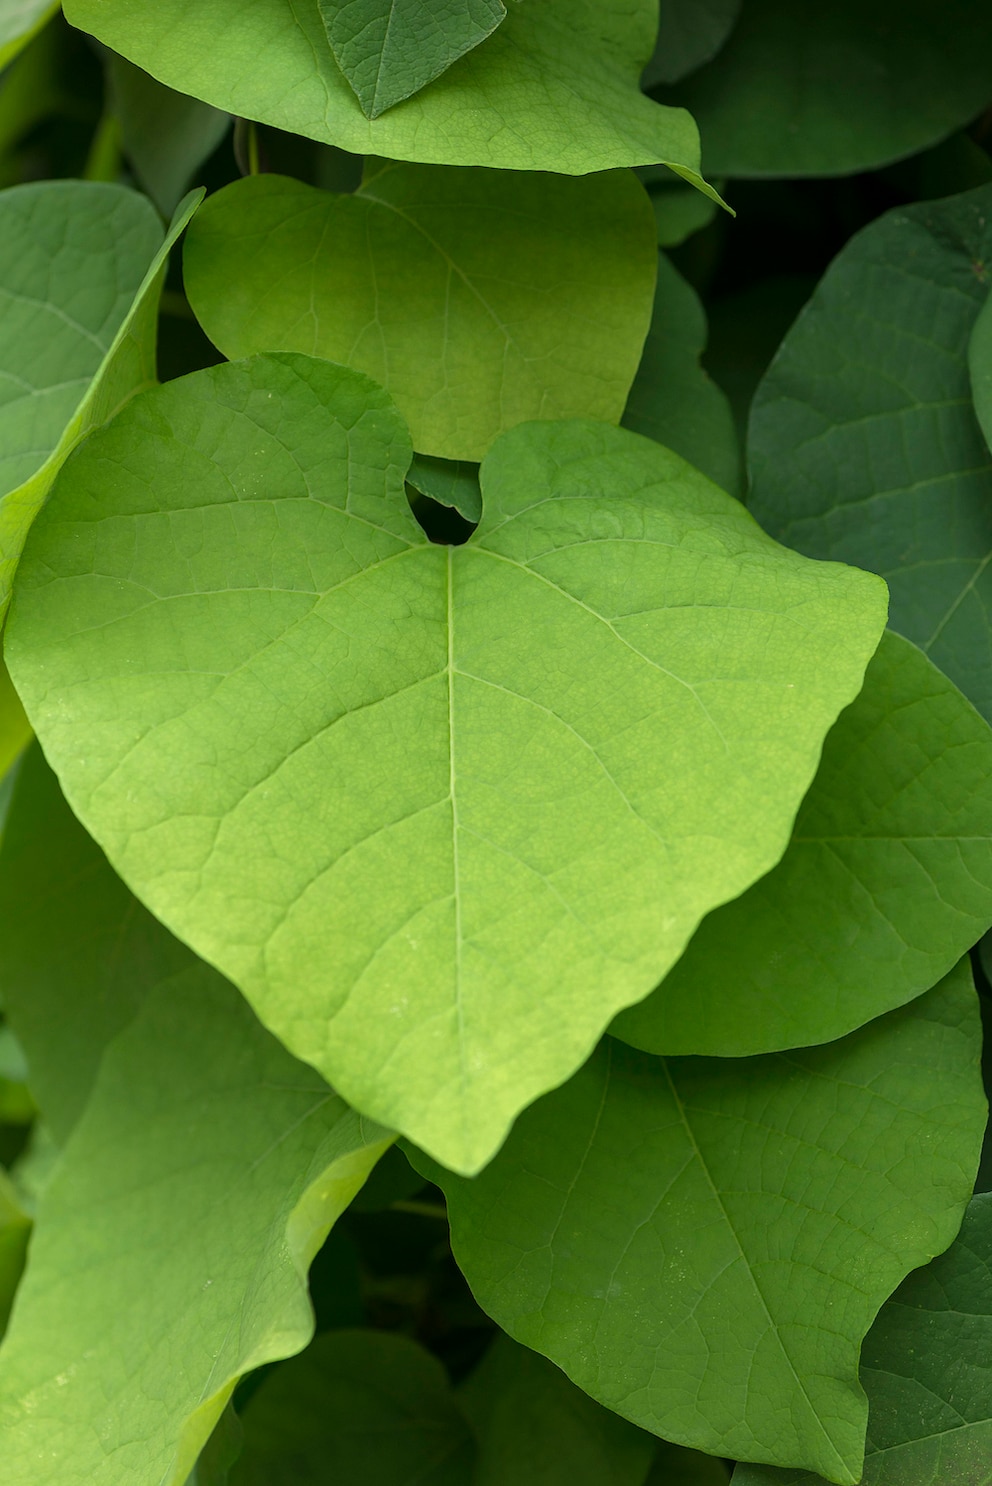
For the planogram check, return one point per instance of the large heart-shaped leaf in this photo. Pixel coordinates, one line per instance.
(672, 399)
(81, 268)
(702, 1244)
(887, 882)
(828, 89)
(980, 362)
(171, 1242)
(554, 88)
(20, 20)
(407, 280)
(389, 49)
(927, 1372)
(440, 812)
(864, 445)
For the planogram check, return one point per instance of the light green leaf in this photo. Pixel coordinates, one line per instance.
(406, 280)
(106, 947)
(672, 399)
(171, 1242)
(887, 882)
(926, 1371)
(389, 49)
(980, 363)
(358, 1406)
(20, 20)
(702, 1244)
(556, 87)
(166, 136)
(864, 444)
(690, 33)
(829, 89)
(449, 482)
(535, 1428)
(231, 635)
(81, 268)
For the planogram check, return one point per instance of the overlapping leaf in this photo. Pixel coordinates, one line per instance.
(407, 280)
(439, 812)
(864, 445)
(702, 1244)
(15, 730)
(672, 399)
(834, 88)
(165, 135)
(20, 20)
(980, 362)
(887, 882)
(690, 33)
(81, 266)
(554, 88)
(926, 1369)
(389, 49)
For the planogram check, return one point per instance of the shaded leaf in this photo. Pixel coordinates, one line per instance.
(167, 136)
(554, 88)
(673, 400)
(702, 1244)
(81, 267)
(397, 791)
(389, 49)
(690, 33)
(172, 1241)
(863, 442)
(15, 1229)
(20, 20)
(980, 363)
(15, 730)
(676, 1466)
(926, 1368)
(837, 88)
(887, 882)
(451, 483)
(406, 280)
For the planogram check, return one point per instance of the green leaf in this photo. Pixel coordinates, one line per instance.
(15, 1230)
(887, 882)
(535, 1428)
(15, 730)
(679, 210)
(834, 88)
(556, 87)
(672, 399)
(980, 363)
(451, 483)
(702, 1244)
(166, 136)
(926, 1371)
(20, 21)
(406, 280)
(358, 1406)
(231, 635)
(389, 49)
(690, 33)
(171, 1242)
(81, 268)
(66, 920)
(864, 444)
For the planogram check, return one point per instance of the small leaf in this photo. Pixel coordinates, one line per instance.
(171, 1242)
(830, 89)
(691, 32)
(864, 445)
(389, 49)
(451, 483)
(926, 1369)
(672, 399)
(406, 280)
(555, 87)
(702, 1244)
(166, 136)
(231, 635)
(20, 20)
(81, 268)
(887, 882)
(980, 362)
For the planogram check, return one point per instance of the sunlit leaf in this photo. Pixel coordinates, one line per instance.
(407, 281)
(702, 1244)
(887, 882)
(439, 812)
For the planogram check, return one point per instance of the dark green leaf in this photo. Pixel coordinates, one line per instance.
(690, 33)
(702, 1244)
(980, 362)
(166, 136)
(450, 482)
(20, 20)
(864, 445)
